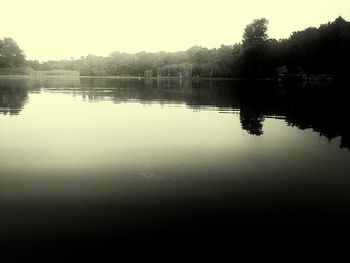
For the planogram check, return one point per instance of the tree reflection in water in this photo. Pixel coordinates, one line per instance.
(317, 106)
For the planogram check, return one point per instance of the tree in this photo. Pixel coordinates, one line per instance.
(10, 54)
(225, 59)
(254, 56)
(200, 58)
(255, 32)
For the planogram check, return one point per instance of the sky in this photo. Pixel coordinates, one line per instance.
(63, 29)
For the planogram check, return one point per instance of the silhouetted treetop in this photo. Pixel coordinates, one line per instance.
(255, 31)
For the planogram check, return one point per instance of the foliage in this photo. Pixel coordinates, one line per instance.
(323, 50)
(10, 54)
(194, 62)
(255, 32)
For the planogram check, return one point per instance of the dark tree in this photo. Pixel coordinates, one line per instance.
(254, 58)
(10, 54)
(255, 32)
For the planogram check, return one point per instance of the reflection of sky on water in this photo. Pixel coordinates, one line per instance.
(57, 134)
(114, 161)
(301, 106)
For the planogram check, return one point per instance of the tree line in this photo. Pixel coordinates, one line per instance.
(322, 50)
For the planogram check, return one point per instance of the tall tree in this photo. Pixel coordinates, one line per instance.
(255, 32)
(10, 54)
(254, 56)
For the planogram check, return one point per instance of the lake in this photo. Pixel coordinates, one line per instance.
(99, 161)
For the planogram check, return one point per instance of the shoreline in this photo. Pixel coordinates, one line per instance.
(117, 77)
(287, 79)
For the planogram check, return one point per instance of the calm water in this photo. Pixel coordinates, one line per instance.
(110, 159)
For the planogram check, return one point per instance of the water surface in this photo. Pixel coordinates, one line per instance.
(110, 159)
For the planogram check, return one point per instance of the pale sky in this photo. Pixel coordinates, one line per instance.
(61, 29)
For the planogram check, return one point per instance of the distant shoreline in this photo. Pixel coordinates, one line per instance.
(288, 78)
(156, 78)
(116, 77)
(15, 76)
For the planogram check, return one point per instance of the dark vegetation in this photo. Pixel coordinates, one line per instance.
(313, 51)
(11, 56)
(12, 59)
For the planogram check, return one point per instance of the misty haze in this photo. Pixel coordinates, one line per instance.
(149, 126)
